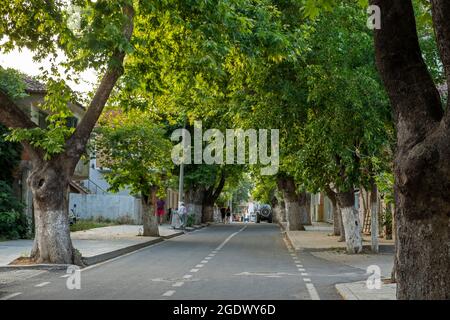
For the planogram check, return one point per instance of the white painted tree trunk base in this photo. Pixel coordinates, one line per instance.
(293, 216)
(352, 227)
(52, 243)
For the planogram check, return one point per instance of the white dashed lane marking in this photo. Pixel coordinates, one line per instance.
(309, 286)
(169, 293)
(40, 285)
(312, 291)
(178, 284)
(202, 263)
(10, 296)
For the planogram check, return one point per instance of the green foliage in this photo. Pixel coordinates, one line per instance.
(11, 82)
(264, 190)
(88, 33)
(135, 149)
(9, 156)
(13, 223)
(90, 224)
(385, 184)
(190, 220)
(348, 135)
(47, 27)
(50, 139)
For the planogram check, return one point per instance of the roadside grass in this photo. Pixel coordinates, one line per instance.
(81, 225)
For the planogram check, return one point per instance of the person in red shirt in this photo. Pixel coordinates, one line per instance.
(160, 210)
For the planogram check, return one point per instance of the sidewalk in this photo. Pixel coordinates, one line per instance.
(319, 242)
(95, 245)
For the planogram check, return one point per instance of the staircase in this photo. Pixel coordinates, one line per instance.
(78, 187)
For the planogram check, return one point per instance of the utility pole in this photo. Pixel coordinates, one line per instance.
(181, 176)
(181, 183)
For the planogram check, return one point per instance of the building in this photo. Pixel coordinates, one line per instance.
(89, 191)
(36, 92)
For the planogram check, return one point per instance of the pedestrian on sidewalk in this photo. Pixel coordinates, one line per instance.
(182, 212)
(160, 210)
(223, 212)
(228, 213)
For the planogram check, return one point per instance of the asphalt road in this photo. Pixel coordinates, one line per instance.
(234, 261)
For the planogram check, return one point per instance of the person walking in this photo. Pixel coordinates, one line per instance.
(182, 212)
(228, 214)
(160, 210)
(223, 211)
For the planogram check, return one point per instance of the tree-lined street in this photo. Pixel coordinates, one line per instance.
(300, 113)
(219, 262)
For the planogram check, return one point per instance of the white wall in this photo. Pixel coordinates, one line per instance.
(106, 206)
(96, 176)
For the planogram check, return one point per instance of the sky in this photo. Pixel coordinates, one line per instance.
(22, 61)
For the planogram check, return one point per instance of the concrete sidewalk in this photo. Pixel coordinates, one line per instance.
(318, 241)
(359, 291)
(95, 245)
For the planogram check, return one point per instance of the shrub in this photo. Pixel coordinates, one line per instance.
(13, 222)
(190, 220)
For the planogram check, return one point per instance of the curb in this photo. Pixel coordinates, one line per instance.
(345, 292)
(35, 267)
(88, 261)
(172, 235)
(289, 241)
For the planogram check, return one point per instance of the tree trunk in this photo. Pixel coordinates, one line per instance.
(350, 219)
(293, 217)
(304, 200)
(52, 243)
(149, 219)
(336, 212)
(49, 180)
(341, 224)
(363, 206)
(193, 201)
(374, 218)
(292, 204)
(208, 212)
(421, 165)
(423, 262)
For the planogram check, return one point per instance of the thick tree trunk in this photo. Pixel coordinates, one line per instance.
(374, 218)
(423, 246)
(421, 165)
(208, 212)
(52, 243)
(194, 198)
(304, 200)
(50, 179)
(350, 219)
(292, 204)
(149, 219)
(293, 218)
(283, 211)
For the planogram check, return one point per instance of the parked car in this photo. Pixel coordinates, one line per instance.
(264, 213)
